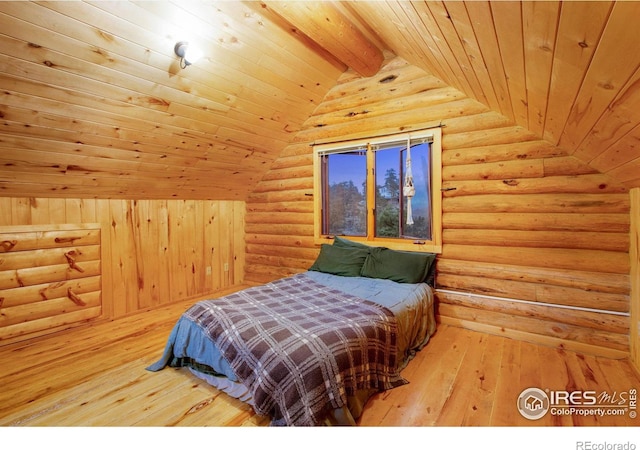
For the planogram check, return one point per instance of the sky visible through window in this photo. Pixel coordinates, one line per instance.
(346, 167)
(346, 209)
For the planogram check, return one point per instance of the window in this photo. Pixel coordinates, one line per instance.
(385, 191)
(344, 198)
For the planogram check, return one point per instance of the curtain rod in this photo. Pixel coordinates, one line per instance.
(440, 125)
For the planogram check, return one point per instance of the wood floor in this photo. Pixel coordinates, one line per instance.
(95, 376)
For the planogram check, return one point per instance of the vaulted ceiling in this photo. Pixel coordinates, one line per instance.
(93, 101)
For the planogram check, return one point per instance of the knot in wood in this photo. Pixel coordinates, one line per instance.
(388, 79)
(8, 245)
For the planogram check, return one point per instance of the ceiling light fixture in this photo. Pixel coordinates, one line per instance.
(188, 54)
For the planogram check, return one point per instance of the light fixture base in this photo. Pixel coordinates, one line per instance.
(181, 49)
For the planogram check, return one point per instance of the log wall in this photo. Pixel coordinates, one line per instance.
(153, 252)
(49, 276)
(634, 253)
(541, 237)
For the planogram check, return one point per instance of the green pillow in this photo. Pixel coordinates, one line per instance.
(346, 243)
(343, 261)
(403, 267)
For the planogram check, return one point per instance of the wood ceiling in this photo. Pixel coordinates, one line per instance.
(94, 102)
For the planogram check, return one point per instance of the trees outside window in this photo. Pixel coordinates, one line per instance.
(361, 191)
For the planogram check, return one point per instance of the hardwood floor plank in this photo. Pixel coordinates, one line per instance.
(530, 376)
(442, 371)
(87, 403)
(95, 376)
(616, 378)
(482, 397)
(390, 407)
(465, 385)
(555, 376)
(507, 388)
(582, 379)
(400, 405)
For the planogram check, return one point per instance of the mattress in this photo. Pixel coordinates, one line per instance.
(410, 304)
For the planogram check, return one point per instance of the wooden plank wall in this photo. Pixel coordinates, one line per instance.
(154, 252)
(93, 99)
(522, 220)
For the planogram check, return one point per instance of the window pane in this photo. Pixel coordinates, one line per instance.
(388, 192)
(344, 194)
(421, 201)
(393, 207)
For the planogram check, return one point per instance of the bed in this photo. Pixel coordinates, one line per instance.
(312, 348)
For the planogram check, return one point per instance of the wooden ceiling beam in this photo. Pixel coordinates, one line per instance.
(333, 31)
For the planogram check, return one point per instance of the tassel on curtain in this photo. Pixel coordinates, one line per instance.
(408, 190)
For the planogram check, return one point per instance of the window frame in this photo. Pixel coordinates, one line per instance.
(435, 244)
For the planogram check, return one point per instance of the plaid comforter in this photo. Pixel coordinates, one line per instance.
(301, 347)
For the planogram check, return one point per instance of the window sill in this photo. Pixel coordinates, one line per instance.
(394, 244)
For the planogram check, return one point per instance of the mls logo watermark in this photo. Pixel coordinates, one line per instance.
(534, 403)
